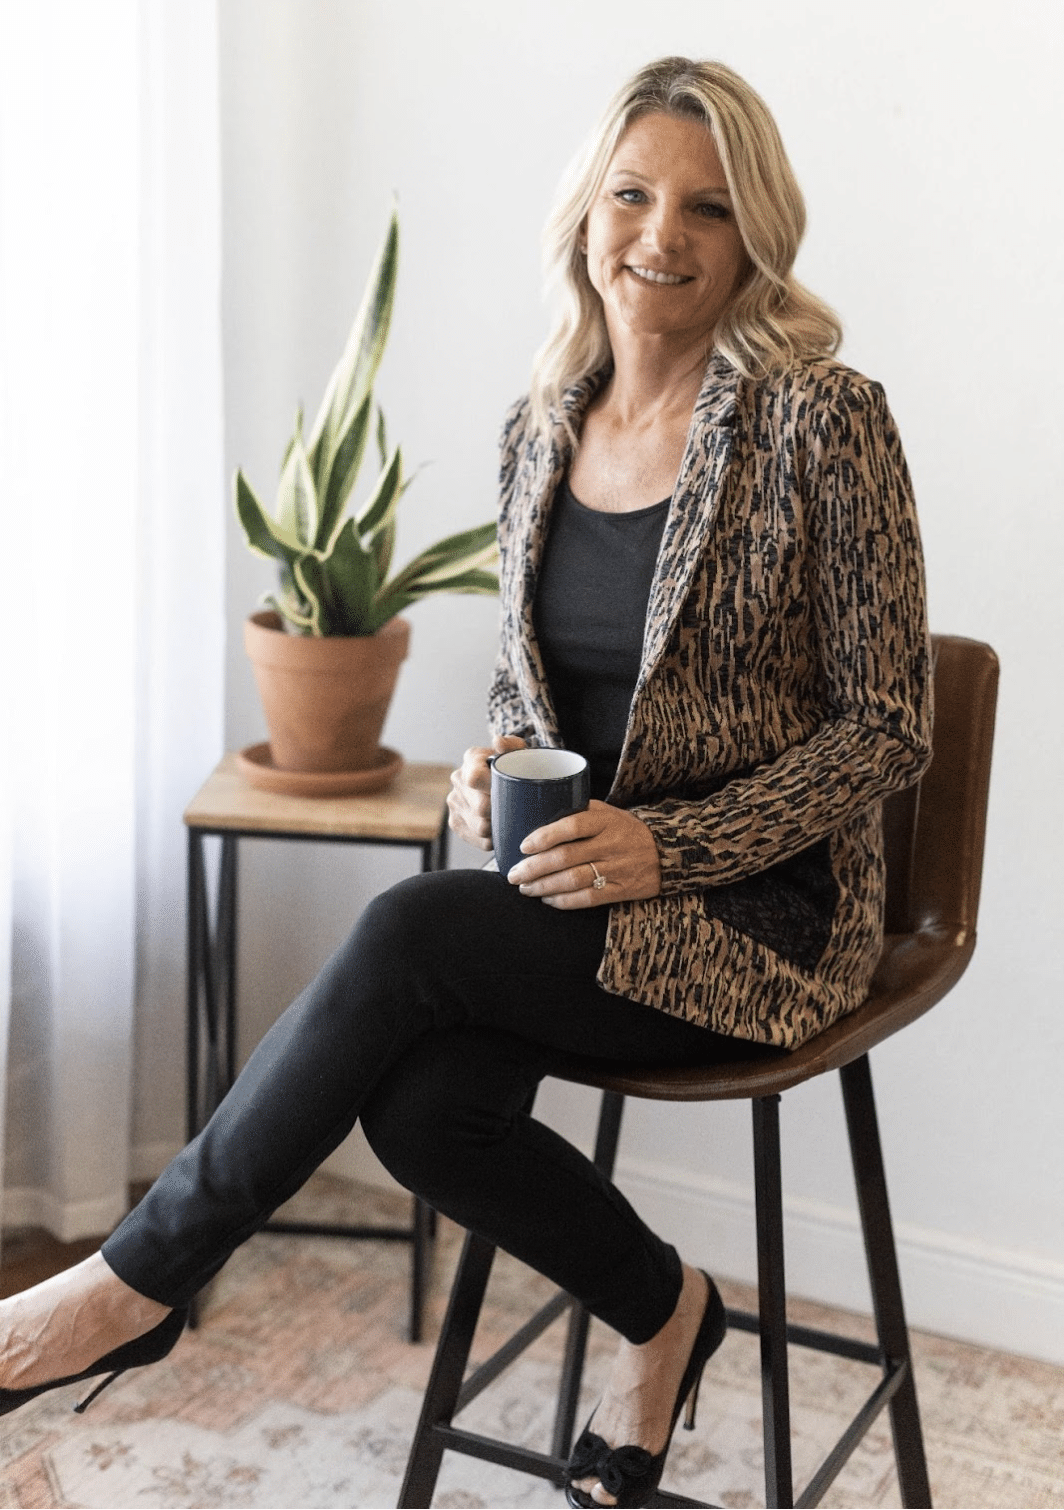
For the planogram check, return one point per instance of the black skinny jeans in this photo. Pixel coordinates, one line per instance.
(434, 1023)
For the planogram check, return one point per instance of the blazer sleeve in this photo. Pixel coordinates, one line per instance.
(508, 712)
(868, 628)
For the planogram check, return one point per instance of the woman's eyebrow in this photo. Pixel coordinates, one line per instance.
(648, 178)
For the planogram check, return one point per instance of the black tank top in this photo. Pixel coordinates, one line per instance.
(589, 615)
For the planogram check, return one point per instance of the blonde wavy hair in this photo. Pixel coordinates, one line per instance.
(773, 322)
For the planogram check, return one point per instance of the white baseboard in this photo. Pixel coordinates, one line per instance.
(960, 1288)
(26, 1206)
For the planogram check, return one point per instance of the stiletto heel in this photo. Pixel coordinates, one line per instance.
(631, 1474)
(150, 1348)
(692, 1405)
(82, 1406)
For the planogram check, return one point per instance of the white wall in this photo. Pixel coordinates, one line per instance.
(928, 147)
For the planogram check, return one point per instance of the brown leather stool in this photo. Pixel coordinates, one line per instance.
(934, 842)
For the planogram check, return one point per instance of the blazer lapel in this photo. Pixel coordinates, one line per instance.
(692, 510)
(693, 507)
(543, 468)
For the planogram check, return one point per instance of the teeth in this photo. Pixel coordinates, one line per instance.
(651, 277)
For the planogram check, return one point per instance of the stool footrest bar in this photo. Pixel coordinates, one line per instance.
(813, 1337)
(488, 1371)
(332, 1229)
(543, 1465)
(539, 1464)
(837, 1458)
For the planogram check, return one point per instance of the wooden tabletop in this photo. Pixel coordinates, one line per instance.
(410, 807)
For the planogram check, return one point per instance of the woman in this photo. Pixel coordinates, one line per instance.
(712, 587)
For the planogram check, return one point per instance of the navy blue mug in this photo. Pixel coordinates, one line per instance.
(530, 788)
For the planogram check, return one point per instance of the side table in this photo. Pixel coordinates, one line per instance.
(410, 813)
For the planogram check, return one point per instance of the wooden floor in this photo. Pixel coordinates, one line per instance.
(30, 1255)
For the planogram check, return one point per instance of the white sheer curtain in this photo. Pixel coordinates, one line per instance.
(114, 506)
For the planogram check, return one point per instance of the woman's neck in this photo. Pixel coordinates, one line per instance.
(651, 380)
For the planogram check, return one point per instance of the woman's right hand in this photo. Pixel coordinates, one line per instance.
(469, 802)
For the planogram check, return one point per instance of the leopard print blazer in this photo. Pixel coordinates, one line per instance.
(784, 690)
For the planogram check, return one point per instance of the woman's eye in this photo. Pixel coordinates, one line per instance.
(713, 211)
(630, 196)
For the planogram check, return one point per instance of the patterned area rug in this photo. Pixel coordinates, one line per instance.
(298, 1389)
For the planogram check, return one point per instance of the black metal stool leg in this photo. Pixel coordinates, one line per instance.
(772, 1302)
(448, 1371)
(424, 1231)
(867, 1154)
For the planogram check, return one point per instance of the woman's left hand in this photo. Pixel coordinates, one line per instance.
(563, 859)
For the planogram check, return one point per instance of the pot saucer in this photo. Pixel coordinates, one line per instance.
(256, 766)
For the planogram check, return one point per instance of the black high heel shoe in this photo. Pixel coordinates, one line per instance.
(631, 1474)
(149, 1348)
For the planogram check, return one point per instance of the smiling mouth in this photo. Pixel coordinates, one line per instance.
(647, 275)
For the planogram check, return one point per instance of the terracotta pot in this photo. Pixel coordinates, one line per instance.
(325, 699)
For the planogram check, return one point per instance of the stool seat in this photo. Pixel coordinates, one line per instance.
(933, 841)
(915, 971)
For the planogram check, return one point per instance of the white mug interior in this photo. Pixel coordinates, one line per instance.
(540, 765)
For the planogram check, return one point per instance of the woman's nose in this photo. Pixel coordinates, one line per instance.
(663, 228)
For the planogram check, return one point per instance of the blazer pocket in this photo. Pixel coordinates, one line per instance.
(790, 907)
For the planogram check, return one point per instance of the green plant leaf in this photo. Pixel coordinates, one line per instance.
(353, 377)
(381, 502)
(482, 583)
(343, 473)
(264, 535)
(297, 502)
(287, 606)
(386, 607)
(334, 568)
(456, 564)
(297, 433)
(467, 550)
(382, 437)
(351, 572)
(383, 544)
(474, 582)
(389, 603)
(307, 572)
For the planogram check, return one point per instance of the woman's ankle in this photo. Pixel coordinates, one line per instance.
(66, 1323)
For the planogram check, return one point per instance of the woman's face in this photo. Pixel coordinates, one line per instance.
(663, 249)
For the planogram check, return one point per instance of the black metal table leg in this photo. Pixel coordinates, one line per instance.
(225, 939)
(211, 982)
(423, 1219)
(211, 987)
(194, 947)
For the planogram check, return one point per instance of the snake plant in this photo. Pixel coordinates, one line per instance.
(334, 564)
